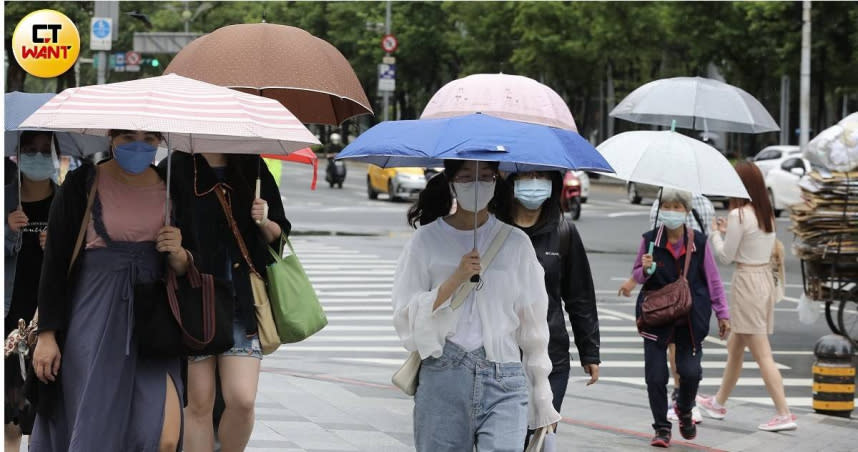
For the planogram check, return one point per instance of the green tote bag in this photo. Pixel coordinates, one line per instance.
(296, 308)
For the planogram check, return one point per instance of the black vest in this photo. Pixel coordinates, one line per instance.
(667, 271)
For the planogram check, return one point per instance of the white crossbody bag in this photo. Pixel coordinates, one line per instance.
(406, 377)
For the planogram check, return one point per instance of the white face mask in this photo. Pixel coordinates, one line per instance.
(485, 191)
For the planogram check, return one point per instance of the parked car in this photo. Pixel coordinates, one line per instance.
(570, 200)
(397, 183)
(771, 157)
(637, 192)
(782, 183)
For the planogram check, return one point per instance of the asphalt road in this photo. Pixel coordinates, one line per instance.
(350, 244)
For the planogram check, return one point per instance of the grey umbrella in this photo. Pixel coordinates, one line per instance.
(696, 103)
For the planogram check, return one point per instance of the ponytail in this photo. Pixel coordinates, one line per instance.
(435, 201)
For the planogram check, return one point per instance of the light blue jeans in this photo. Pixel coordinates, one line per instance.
(464, 400)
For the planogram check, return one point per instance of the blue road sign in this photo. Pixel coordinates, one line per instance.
(101, 28)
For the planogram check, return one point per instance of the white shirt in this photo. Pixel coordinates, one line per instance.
(510, 309)
(744, 242)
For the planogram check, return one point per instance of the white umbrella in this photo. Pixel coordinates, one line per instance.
(196, 116)
(696, 103)
(670, 159)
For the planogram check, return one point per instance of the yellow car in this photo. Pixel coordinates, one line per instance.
(397, 183)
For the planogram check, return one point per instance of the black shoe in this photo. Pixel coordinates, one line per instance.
(687, 427)
(661, 438)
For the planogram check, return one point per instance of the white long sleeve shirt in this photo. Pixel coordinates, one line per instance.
(745, 242)
(510, 308)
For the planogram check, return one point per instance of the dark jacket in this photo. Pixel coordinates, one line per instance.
(13, 239)
(212, 238)
(56, 285)
(667, 271)
(568, 279)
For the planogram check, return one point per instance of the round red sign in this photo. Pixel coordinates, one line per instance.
(389, 43)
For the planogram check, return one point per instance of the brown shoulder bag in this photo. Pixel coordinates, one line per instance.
(672, 302)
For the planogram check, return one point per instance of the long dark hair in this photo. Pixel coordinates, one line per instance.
(752, 177)
(550, 208)
(436, 200)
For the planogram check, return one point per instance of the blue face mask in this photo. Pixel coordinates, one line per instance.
(37, 167)
(532, 193)
(134, 157)
(672, 219)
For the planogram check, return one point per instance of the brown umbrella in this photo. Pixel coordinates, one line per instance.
(306, 74)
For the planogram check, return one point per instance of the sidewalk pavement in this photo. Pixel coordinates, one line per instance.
(301, 410)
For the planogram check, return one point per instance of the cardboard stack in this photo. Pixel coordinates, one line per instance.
(826, 230)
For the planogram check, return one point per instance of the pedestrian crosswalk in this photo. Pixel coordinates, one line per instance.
(354, 288)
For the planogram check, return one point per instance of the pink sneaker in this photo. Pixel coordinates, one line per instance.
(712, 409)
(780, 423)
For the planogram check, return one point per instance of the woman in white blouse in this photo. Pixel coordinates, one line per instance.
(749, 241)
(484, 375)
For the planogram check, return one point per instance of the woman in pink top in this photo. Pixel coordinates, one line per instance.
(750, 239)
(97, 391)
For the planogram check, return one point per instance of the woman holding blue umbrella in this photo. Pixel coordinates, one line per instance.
(490, 335)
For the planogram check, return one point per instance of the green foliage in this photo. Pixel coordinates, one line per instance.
(570, 46)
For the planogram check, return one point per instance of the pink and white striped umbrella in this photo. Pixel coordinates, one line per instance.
(513, 97)
(195, 116)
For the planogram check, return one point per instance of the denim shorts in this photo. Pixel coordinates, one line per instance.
(243, 345)
(464, 400)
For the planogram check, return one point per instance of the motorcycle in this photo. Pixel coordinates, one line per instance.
(570, 200)
(335, 174)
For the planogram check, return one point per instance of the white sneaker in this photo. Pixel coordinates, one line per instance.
(671, 415)
(779, 423)
(711, 407)
(696, 415)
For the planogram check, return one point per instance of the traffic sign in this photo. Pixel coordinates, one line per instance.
(387, 77)
(117, 62)
(389, 43)
(133, 58)
(100, 33)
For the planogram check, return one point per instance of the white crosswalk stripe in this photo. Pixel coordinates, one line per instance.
(354, 288)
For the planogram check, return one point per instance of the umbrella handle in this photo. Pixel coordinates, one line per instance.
(476, 278)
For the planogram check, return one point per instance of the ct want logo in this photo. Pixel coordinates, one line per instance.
(46, 43)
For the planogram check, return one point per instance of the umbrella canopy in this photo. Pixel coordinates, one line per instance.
(836, 147)
(502, 95)
(305, 156)
(21, 105)
(518, 146)
(696, 103)
(670, 159)
(306, 74)
(197, 116)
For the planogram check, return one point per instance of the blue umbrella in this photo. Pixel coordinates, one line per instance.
(517, 146)
(19, 106)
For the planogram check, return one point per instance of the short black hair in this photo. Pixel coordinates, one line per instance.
(113, 133)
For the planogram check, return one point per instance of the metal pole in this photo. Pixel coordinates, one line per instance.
(102, 67)
(785, 100)
(385, 94)
(804, 114)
